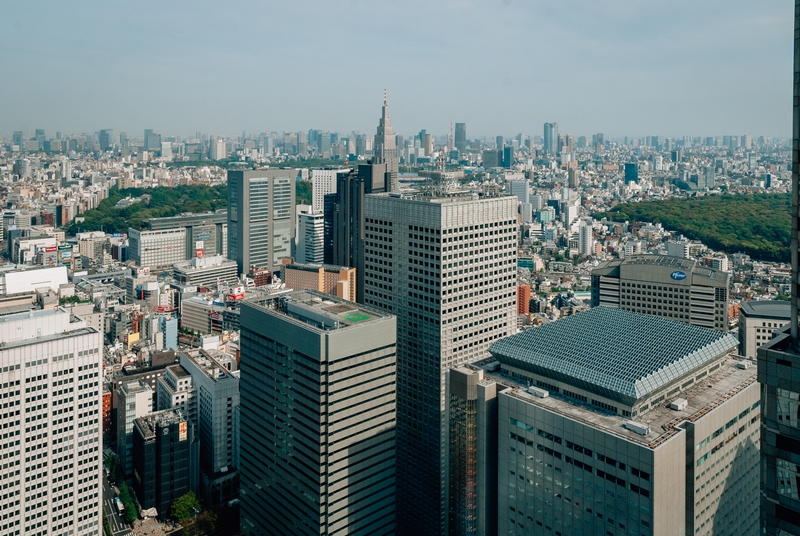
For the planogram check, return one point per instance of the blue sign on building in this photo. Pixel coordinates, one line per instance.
(678, 275)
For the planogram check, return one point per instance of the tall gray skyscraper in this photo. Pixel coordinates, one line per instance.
(446, 266)
(461, 138)
(385, 148)
(317, 421)
(261, 217)
(550, 138)
(52, 366)
(777, 362)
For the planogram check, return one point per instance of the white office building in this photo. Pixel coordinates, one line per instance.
(323, 182)
(311, 238)
(134, 400)
(157, 249)
(50, 370)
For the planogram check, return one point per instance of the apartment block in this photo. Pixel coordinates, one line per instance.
(339, 281)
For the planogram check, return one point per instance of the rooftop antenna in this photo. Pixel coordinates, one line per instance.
(384, 96)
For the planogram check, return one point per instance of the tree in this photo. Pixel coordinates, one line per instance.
(127, 503)
(185, 506)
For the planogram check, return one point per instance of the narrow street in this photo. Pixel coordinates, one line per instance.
(115, 521)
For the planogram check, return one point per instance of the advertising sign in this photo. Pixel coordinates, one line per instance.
(677, 275)
(183, 431)
(50, 249)
(235, 293)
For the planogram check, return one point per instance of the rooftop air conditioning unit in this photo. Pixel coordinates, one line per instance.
(639, 428)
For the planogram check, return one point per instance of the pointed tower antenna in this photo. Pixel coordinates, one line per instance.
(384, 96)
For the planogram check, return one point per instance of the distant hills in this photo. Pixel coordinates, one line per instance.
(759, 225)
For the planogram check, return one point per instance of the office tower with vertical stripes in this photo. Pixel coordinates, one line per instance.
(446, 266)
(317, 417)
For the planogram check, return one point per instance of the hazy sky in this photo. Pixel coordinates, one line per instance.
(621, 67)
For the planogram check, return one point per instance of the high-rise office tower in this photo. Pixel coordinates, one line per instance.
(777, 362)
(106, 139)
(51, 446)
(550, 138)
(385, 148)
(520, 189)
(261, 217)
(446, 266)
(461, 138)
(631, 172)
(323, 182)
(152, 140)
(499, 143)
(346, 217)
(311, 237)
(585, 240)
(317, 418)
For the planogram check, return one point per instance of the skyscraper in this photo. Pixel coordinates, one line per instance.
(461, 138)
(777, 362)
(51, 445)
(631, 172)
(550, 138)
(446, 266)
(385, 148)
(346, 217)
(317, 417)
(261, 217)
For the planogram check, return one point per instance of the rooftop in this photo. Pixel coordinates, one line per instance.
(617, 354)
(318, 310)
(149, 422)
(767, 309)
(310, 267)
(662, 421)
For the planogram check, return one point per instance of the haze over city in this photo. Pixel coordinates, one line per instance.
(503, 66)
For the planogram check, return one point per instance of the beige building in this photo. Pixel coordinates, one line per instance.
(339, 281)
(666, 444)
(758, 320)
(671, 287)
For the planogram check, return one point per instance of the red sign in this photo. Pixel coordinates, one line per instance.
(198, 253)
(50, 249)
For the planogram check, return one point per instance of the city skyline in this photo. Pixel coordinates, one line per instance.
(625, 69)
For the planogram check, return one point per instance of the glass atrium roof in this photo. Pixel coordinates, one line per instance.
(617, 354)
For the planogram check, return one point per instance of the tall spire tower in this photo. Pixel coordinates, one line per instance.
(385, 148)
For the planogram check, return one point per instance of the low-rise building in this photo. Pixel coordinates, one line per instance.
(758, 320)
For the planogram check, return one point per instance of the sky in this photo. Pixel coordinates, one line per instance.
(621, 67)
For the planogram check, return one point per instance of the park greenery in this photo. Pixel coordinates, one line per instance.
(185, 506)
(163, 202)
(757, 224)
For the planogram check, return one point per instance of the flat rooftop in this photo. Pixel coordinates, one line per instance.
(701, 398)
(767, 309)
(319, 310)
(617, 354)
(149, 422)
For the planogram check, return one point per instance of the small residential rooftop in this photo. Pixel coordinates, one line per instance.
(617, 354)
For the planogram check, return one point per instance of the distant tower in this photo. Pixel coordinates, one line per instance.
(550, 138)
(385, 148)
(461, 138)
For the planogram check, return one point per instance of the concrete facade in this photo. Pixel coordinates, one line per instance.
(339, 281)
(758, 321)
(670, 287)
(51, 421)
(317, 458)
(157, 249)
(261, 217)
(446, 266)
